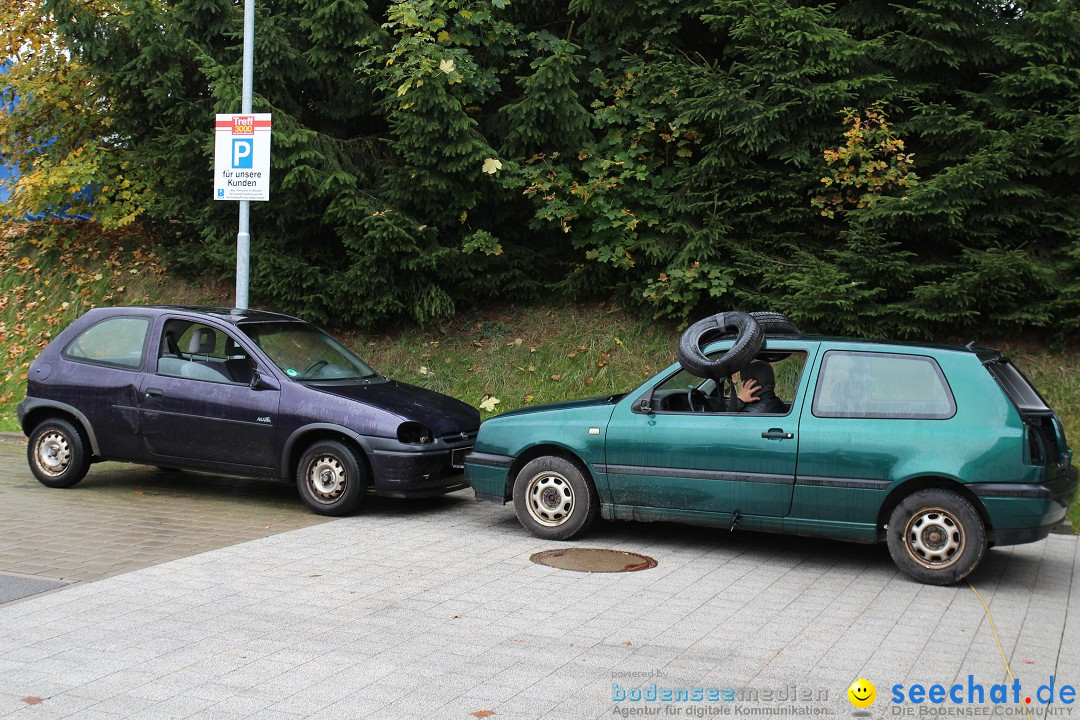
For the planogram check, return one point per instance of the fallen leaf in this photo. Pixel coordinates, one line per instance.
(488, 404)
(455, 617)
(423, 370)
(528, 399)
(32, 700)
(315, 575)
(628, 644)
(482, 713)
(532, 368)
(556, 378)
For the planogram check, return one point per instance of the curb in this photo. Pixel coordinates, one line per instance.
(12, 436)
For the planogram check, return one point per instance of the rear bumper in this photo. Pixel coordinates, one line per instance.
(1026, 512)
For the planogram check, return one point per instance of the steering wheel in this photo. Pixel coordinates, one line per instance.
(694, 394)
(314, 367)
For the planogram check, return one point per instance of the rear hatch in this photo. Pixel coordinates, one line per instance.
(1046, 444)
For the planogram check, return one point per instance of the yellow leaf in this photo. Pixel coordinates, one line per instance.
(492, 166)
(446, 65)
(489, 403)
(443, 36)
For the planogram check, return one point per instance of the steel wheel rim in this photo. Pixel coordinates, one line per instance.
(549, 499)
(934, 538)
(53, 453)
(326, 479)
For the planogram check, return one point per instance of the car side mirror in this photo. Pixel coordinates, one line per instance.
(262, 382)
(645, 405)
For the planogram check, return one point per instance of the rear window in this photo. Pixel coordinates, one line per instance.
(882, 385)
(117, 342)
(1019, 389)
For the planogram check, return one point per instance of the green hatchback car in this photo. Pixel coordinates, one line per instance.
(938, 451)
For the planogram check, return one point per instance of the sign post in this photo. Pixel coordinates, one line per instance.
(242, 158)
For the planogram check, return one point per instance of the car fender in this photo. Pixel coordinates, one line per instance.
(32, 405)
(284, 469)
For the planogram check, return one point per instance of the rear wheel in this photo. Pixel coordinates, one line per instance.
(554, 499)
(936, 537)
(57, 454)
(330, 479)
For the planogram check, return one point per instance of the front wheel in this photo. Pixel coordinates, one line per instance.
(936, 537)
(330, 479)
(57, 454)
(554, 499)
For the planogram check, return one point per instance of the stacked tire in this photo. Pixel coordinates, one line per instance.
(749, 330)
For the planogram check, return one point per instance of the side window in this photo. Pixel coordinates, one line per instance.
(117, 342)
(882, 385)
(200, 352)
(778, 373)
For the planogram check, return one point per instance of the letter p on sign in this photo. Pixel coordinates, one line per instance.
(241, 153)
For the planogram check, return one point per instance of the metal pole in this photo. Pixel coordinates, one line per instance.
(243, 236)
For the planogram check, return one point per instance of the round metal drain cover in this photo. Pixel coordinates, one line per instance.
(593, 560)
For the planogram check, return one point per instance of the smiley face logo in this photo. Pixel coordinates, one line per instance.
(862, 693)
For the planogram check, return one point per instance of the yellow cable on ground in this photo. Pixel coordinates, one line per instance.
(1001, 650)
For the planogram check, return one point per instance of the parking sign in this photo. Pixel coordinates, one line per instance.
(242, 157)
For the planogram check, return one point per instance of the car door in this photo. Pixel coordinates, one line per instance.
(708, 462)
(197, 410)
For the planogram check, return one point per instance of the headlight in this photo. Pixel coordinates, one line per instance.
(414, 433)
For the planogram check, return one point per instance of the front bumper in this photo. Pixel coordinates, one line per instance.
(415, 471)
(488, 474)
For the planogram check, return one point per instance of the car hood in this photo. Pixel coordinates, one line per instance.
(441, 413)
(604, 401)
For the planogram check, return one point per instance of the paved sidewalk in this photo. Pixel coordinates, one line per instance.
(433, 610)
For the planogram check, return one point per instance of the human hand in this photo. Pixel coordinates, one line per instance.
(747, 391)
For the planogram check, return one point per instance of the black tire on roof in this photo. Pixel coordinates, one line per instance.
(749, 338)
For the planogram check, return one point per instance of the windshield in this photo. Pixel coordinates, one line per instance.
(304, 352)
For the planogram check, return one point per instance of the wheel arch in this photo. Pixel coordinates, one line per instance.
(42, 411)
(927, 482)
(529, 454)
(303, 438)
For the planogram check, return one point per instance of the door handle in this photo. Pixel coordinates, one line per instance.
(154, 393)
(777, 434)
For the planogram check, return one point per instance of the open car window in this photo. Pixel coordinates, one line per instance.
(679, 391)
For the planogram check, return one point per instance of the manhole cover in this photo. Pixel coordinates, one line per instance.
(593, 560)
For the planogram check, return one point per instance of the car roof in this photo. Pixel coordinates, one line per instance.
(884, 345)
(224, 314)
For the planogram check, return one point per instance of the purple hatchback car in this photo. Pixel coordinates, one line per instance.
(240, 392)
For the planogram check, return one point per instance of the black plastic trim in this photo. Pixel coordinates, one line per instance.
(856, 483)
(489, 460)
(1011, 490)
(697, 474)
